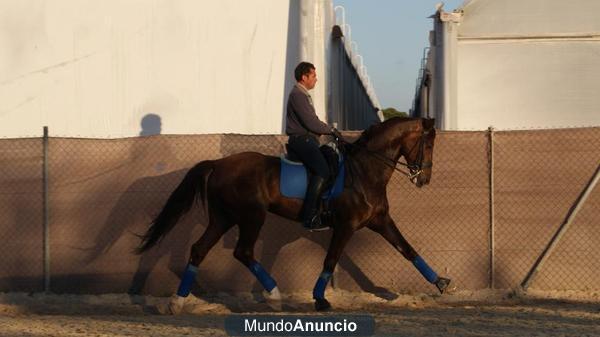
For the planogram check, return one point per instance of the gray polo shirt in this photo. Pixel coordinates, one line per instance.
(301, 116)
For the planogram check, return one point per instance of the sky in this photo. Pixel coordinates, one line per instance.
(391, 36)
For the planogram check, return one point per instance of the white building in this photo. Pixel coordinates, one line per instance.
(513, 64)
(89, 68)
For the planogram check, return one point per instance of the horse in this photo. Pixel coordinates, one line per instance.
(240, 189)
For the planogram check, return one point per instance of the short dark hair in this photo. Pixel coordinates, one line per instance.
(302, 69)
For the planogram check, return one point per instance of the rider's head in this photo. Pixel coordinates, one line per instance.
(306, 75)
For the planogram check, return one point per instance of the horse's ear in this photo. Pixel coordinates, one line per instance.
(428, 123)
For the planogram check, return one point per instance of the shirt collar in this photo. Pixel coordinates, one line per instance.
(303, 89)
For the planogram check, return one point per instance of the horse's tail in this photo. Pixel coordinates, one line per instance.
(179, 203)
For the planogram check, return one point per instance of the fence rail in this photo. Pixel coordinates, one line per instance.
(495, 202)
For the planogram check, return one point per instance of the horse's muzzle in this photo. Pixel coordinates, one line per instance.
(420, 180)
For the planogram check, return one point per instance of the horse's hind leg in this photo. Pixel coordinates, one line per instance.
(217, 226)
(244, 252)
(387, 228)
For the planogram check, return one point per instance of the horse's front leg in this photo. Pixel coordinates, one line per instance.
(340, 238)
(385, 226)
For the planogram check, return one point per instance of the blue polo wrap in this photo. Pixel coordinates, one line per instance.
(263, 277)
(188, 278)
(425, 270)
(319, 290)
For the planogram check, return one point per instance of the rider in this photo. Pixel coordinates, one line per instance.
(304, 128)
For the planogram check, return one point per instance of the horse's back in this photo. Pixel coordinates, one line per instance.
(249, 175)
(247, 180)
(247, 161)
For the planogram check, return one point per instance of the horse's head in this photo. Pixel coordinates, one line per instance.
(396, 137)
(417, 149)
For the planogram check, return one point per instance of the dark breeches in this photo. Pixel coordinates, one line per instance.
(307, 149)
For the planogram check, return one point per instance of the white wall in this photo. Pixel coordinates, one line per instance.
(95, 68)
(529, 17)
(528, 85)
(518, 64)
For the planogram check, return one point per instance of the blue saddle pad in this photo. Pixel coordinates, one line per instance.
(293, 180)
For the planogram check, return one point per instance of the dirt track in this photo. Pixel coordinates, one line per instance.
(465, 314)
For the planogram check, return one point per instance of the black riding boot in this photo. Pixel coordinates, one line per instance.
(311, 218)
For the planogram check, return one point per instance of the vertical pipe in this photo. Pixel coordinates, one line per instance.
(46, 214)
(439, 75)
(425, 100)
(445, 73)
(491, 201)
(303, 26)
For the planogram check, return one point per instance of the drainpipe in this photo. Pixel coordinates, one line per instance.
(449, 25)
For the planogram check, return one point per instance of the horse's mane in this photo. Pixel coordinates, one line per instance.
(376, 129)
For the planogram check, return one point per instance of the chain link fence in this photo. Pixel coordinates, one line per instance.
(538, 177)
(21, 220)
(103, 192)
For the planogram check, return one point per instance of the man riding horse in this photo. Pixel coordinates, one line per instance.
(239, 190)
(304, 128)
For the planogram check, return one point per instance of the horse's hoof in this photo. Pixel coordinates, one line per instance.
(174, 307)
(273, 299)
(273, 295)
(322, 304)
(442, 284)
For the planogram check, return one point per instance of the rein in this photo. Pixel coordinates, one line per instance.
(415, 169)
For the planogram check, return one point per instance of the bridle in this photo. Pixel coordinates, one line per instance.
(415, 169)
(419, 166)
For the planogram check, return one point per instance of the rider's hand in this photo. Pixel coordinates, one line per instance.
(336, 134)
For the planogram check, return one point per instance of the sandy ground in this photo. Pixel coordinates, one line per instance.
(483, 313)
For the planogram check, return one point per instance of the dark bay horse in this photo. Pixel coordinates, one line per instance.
(242, 188)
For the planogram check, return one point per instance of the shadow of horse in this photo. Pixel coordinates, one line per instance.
(145, 197)
(275, 239)
(133, 210)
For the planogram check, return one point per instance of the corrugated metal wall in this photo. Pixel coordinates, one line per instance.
(515, 64)
(350, 106)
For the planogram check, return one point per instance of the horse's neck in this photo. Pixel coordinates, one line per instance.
(386, 142)
(377, 170)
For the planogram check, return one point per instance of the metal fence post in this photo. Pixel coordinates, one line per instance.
(46, 214)
(491, 201)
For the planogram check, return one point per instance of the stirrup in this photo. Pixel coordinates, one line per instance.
(317, 229)
(315, 224)
(327, 218)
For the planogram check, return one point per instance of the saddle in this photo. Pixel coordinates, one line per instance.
(294, 176)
